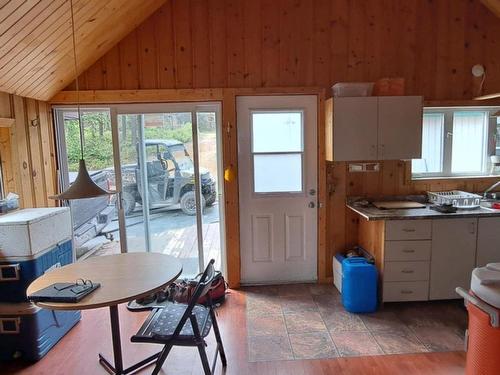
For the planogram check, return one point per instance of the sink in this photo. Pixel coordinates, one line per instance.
(488, 203)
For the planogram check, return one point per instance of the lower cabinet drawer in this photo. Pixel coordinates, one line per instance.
(396, 230)
(405, 291)
(400, 251)
(406, 271)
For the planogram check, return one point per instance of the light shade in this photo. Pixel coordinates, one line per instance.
(82, 187)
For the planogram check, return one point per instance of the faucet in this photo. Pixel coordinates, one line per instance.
(490, 189)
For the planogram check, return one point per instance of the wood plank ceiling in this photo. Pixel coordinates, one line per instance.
(36, 53)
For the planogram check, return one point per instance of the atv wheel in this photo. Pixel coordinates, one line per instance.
(188, 203)
(210, 200)
(128, 201)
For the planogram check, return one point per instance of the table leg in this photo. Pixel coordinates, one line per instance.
(117, 369)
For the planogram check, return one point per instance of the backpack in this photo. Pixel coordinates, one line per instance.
(182, 291)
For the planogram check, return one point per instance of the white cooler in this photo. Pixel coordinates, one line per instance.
(32, 241)
(32, 230)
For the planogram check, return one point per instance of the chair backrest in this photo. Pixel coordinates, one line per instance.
(205, 283)
(203, 287)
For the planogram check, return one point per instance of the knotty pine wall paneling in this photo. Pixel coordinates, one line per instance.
(284, 43)
(195, 44)
(27, 150)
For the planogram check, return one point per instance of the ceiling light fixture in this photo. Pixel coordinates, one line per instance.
(83, 186)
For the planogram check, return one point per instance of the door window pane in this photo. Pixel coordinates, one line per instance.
(277, 132)
(469, 142)
(277, 173)
(432, 145)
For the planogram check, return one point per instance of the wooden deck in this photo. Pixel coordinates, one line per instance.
(180, 243)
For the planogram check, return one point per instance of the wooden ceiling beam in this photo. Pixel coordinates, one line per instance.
(493, 6)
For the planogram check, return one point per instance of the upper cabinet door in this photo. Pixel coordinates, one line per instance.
(399, 127)
(355, 128)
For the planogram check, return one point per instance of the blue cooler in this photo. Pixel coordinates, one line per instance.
(17, 273)
(359, 285)
(29, 332)
(32, 241)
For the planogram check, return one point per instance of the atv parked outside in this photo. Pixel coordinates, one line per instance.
(170, 176)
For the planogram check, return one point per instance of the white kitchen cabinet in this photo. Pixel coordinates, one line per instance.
(374, 128)
(399, 127)
(453, 256)
(488, 241)
(355, 128)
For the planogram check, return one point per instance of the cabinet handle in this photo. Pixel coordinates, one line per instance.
(407, 292)
(9, 326)
(472, 228)
(409, 230)
(407, 271)
(408, 251)
(10, 272)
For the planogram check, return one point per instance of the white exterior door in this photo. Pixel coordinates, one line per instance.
(277, 169)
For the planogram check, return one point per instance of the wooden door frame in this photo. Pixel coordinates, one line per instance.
(227, 97)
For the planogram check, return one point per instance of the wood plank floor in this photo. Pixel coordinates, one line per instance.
(77, 352)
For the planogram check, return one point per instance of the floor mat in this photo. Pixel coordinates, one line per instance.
(308, 321)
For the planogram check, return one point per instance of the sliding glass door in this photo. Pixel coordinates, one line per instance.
(167, 168)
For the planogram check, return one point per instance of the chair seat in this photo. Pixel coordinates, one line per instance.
(165, 324)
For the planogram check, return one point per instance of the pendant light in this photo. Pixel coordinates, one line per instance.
(83, 186)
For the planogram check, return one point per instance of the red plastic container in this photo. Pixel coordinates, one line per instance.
(483, 347)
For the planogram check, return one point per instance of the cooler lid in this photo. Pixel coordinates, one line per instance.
(485, 283)
(29, 215)
(15, 309)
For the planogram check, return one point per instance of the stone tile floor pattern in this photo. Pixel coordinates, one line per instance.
(308, 321)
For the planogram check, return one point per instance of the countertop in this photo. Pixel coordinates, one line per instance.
(372, 213)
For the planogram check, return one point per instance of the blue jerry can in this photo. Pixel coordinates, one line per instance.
(359, 285)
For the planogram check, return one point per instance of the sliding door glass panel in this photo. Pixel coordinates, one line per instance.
(158, 182)
(129, 133)
(157, 147)
(95, 228)
(211, 185)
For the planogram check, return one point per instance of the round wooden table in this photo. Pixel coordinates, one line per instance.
(123, 278)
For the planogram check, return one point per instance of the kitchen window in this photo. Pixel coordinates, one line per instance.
(457, 142)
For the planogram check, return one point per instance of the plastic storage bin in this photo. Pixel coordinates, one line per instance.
(29, 332)
(346, 89)
(483, 306)
(16, 273)
(337, 271)
(359, 285)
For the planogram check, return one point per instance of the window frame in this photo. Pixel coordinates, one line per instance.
(489, 142)
(302, 192)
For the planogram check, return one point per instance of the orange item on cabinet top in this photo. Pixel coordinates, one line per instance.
(389, 87)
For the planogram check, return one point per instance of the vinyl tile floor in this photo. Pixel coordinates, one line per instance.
(308, 321)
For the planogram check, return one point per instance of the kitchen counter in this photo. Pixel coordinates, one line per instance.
(372, 213)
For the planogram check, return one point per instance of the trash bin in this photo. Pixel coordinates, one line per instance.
(359, 285)
(483, 306)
